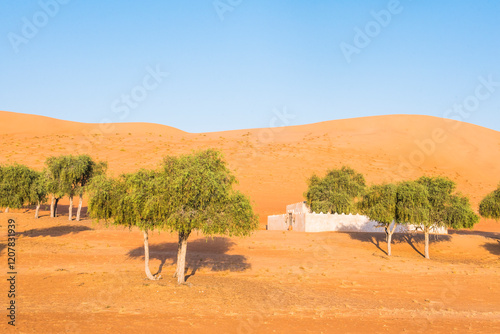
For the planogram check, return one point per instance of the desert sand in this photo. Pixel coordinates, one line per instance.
(81, 277)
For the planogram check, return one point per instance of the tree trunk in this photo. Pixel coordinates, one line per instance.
(181, 257)
(389, 232)
(426, 231)
(80, 203)
(52, 205)
(7, 210)
(55, 207)
(146, 257)
(37, 210)
(389, 239)
(70, 208)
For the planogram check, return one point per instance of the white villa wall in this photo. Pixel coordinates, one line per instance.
(302, 220)
(277, 223)
(320, 222)
(281, 222)
(300, 207)
(299, 222)
(335, 222)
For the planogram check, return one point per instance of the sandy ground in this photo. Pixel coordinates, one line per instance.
(79, 277)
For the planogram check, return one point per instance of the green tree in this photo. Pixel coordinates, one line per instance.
(88, 169)
(75, 174)
(459, 214)
(336, 192)
(57, 184)
(200, 196)
(191, 192)
(445, 208)
(379, 204)
(3, 190)
(38, 191)
(412, 207)
(126, 201)
(2, 195)
(490, 205)
(70, 173)
(15, 186)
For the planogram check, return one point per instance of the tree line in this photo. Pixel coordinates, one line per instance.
(428, 203)
(196, 192)
(65, 175)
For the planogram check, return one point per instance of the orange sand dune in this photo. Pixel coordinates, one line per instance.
(273, 164)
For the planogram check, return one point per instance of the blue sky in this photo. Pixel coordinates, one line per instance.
(210, 65)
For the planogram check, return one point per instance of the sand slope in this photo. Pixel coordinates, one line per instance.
(273, 164)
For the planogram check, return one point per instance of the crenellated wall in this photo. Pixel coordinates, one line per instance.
(299, 218)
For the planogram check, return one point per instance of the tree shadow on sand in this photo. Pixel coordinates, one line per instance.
(411, 239)
(54, 231)
(493, 247)
(201, 253)
(493, 235)
(2, 247)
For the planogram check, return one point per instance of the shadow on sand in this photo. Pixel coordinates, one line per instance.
(493, 235)
(54, 231)
(2, 247)
(201, 253)
(411, 239)
(493, 247)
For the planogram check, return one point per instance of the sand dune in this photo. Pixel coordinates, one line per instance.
(273, 164)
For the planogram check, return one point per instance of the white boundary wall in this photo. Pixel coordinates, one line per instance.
(277, 223)
(297, 220)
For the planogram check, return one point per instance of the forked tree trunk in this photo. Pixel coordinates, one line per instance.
(181, 257)
(70, 208)
(80, 203)
(389, 234)
(426, 231)
(37, 210)
(146, 257)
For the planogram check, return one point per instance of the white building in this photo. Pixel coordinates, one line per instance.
(299, 218)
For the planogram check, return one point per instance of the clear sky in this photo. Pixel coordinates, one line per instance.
(206, 65)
